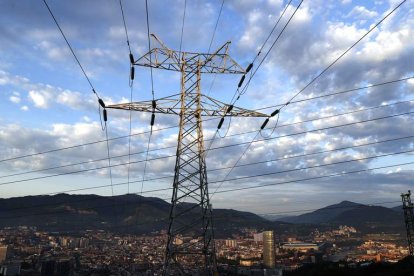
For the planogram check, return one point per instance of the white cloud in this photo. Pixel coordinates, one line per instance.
(53, 51)
(410, 84)
(71, 99)
(40, 98)
(254, 31)
(24, 108)
(387, 45)
(44, 95)
(15, 99)
(86, 119)
(276, 3)
(302, 16)
(362, 13)
(4, 78)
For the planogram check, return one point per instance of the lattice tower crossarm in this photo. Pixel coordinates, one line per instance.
(172, 105)
(409, 220)
(190, 246)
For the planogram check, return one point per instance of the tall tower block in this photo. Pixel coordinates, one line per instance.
(268, 249)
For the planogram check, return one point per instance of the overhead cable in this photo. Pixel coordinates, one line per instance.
(225, 146)
(210, 119)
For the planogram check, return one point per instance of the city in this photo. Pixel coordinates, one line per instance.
(27, 251)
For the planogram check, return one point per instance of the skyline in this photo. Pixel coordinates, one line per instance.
(48, 103)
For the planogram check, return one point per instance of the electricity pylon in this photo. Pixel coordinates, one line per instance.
(409, 220)
(190, 247)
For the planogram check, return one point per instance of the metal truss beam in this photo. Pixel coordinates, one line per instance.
(171, 105)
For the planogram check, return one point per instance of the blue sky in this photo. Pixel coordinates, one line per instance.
(47, 103)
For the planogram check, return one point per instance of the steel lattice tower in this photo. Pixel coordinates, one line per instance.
(409, 220)
(190, 247)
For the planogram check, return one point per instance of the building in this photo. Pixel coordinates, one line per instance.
(268, 249)
(258, 237)
(231, 243)
(300, 246)
(4, 250)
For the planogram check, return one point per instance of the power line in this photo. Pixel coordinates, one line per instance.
(314, 178)
(250, 78)
(339, 114)
(149, 47)
(336, 60)
(346, 51)
(109, 160)
(254, 163)
(153, 96)
(248, 69)
(90, 143)
(312, 167)
(233, 101)
(131, 84)
(242, 165)
(212, 149)
(339, 92)
(146, 162)
(234, 165)
(300, 169)
(271, 32)
(277, 159)
(171, 127)
(130, 129)
(271, 138)
(182, 26)
(269, 50)
(125, 26)
(312, 81)
(221, 147)
(215, 26)
(211, 43)
(70, 47)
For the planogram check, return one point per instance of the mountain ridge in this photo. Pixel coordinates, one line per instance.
(322, 215)
(364, 217)
(142, 215)
(124, 213)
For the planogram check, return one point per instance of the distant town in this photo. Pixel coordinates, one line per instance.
(26, 250)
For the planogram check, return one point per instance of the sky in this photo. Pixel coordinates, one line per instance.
(48, 104)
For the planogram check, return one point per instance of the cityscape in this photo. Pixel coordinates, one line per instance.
(240, 248)
(205, 138)
(29, 251)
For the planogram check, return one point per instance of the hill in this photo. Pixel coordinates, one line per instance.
(398, 208)
(374, 218)
(322, 215)
(125, 213)
(142, 215)
(363, 217)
